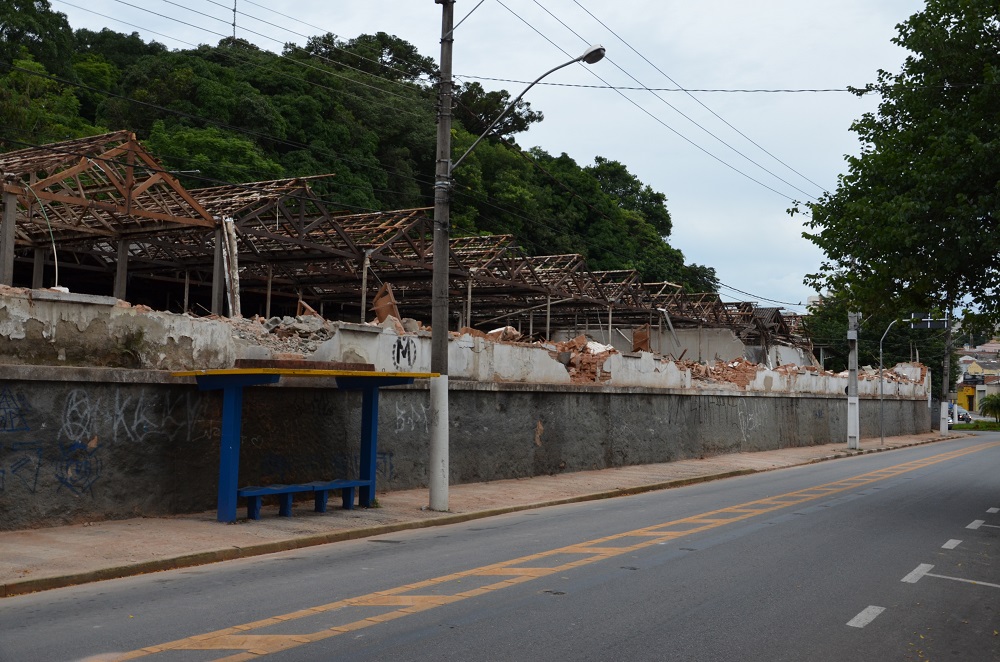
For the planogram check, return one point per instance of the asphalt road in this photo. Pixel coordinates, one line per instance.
(889, 556)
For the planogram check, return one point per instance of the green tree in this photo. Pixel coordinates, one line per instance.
(990, 406)
(630, 193)
(216, 155)
(914, 221)
(36, 109)
(384, 55)
(476, 109)
(31, 27)
(121, 50)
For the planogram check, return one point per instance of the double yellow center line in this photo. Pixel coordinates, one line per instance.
(313, 624)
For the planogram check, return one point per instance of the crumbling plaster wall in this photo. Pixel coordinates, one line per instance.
(46, 327)
(80, 444)
(691, 344)
(469, 357)
(702, 345)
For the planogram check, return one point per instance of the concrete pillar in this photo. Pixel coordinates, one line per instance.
(38, 268)
(7, 238)
(218, 268)
(121, 273)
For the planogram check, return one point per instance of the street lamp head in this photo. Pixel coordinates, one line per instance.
(593, 54)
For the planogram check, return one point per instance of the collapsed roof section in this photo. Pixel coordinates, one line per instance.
(110, 210)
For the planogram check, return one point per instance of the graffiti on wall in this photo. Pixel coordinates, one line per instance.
(85, 424)
(753, 416)
(24, 462)
(11, 412)
(404, 353)
(411, 418)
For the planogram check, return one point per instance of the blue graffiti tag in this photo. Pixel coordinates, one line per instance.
(79, 467)
(11, 414)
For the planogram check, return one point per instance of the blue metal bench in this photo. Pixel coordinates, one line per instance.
(319, 488)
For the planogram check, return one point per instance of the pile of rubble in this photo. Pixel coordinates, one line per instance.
(739, 371)
(298, 337)
(584, 359)
(286, 337)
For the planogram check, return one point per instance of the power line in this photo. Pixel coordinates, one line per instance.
(219, 124)
(756, 296)
(661, 89)
(223, 36)
(696, 99)
(674, 108)
(651, 115)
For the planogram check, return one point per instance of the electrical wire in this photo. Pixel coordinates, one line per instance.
(217, 123)
(659, 89)
(654, 117)
(299, 63)
(696, 99)
(679, 111)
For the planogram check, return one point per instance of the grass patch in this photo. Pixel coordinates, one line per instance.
(977, 425)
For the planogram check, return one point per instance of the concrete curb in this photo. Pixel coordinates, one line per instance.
(11, 589)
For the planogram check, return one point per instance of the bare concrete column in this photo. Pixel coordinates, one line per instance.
(38, 268)
(548, 317)
(468, 305)
(364, 284)
(217, 274)
(7, 238)
(267, 302)
(121, 273)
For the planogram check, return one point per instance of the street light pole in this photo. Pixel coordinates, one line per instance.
(438, 464)
(881, 386)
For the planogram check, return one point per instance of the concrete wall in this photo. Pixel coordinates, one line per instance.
(88, 444)
(46, 327)
(692, 344)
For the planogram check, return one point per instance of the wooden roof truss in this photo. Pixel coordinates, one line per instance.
(95, 197)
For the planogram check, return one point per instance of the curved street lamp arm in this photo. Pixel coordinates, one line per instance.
(590, 56)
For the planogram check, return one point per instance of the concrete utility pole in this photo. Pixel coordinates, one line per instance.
(946, 384)
(438, 469)
(438, 466)
(853, 416)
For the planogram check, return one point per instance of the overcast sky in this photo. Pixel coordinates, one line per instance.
(730, 163)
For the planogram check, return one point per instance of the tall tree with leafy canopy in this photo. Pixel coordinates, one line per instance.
(476, 109)
(915, 221)
(380, 54)
(31, 27)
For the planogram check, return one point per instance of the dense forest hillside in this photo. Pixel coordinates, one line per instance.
(363, 109)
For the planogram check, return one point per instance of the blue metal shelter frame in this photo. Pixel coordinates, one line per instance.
(232, 382)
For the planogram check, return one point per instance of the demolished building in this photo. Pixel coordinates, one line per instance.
(102, 216)
(114, 275)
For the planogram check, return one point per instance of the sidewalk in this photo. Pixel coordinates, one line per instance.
(41, 559)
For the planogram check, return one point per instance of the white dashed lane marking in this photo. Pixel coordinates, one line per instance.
(866, 616)
(919, 572)
(924, 570)
(976, 524)
(951, 544)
